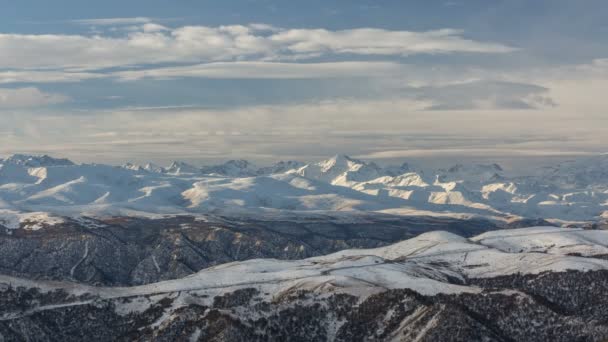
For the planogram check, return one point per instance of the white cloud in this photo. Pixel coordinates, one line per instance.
(506, 151)
(369, 41)
(218, 70)
(39, 76)
(268, 70)
(152, 27)
(28, 97)
(153, 43)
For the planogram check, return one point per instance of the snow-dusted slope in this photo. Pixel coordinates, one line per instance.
(435, 262)
(435, 287)
(576, 192)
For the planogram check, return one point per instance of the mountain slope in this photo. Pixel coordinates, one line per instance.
(437, 286)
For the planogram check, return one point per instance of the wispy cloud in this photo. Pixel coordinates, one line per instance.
(370, 41)
(267, 70)
(28, 97)
(42, 76)
(483, 94)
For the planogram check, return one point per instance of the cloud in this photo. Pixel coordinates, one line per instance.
(483, 94)
(505, 151)
(152, 44)
(39, 76)
(370, 41)
(218, 70)
(307, 130)
(267, 70)
(27, 98)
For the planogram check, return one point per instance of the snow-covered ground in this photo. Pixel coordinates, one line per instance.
(571, 192)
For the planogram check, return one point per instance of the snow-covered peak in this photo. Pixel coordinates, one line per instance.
(132, 167)
(178, 167)
(149, 167)
(339, 161)
(341, 170)
(280, 167)
(36, 161)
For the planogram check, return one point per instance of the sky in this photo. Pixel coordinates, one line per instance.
(204, 80)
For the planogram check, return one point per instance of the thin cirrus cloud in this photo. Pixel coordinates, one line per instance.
(266, 70)
(217, 70)
(41, 76)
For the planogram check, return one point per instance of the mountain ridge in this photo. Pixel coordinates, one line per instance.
(564, 194)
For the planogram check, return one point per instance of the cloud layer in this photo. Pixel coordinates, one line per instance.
(195, 44)
(151, 91)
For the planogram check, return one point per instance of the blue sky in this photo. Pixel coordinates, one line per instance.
(266, 80)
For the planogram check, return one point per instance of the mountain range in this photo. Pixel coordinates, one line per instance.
(336, 250)
(37, 187)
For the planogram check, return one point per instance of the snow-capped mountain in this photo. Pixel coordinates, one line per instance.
(35, 161)
(341, 183)
(521, 285)
(179, 168)
(340, 170)
(280, 167)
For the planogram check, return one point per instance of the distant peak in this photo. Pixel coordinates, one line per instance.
(181, 167)
(37, 160)
(340, 159)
